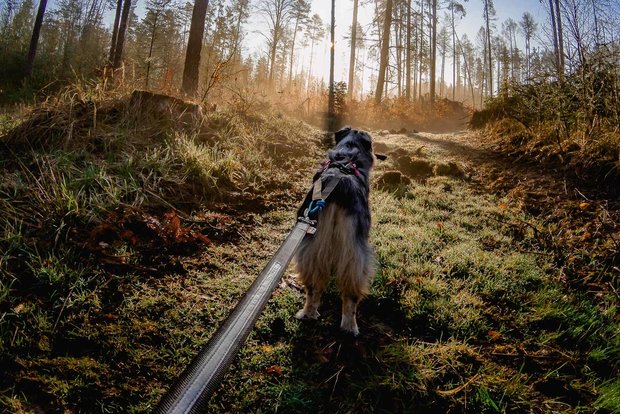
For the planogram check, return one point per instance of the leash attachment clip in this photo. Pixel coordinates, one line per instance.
(311, 224)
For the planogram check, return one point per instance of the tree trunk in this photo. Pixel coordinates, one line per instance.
(453, 52)
(560, 37)
(272, 57)
(148, 60)
(555, 36)
(443, 65)
(117, 17)
(433, 49)
(332, 37)
(421, 51)
(490, 66)
(120, 40)
(408, 54)
(385, 46)
(399, 48)
(468, 72)
(191, 70)
(332, 101)
(34, 40)
(310, 66)
(290, 66)
(352, 57)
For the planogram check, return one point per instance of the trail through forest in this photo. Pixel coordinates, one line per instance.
(483, 299)
(470, 311)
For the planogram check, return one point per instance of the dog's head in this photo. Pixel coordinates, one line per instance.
(353, 146)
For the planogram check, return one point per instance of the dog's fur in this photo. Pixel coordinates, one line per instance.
(340, 248)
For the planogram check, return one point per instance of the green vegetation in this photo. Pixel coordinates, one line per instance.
(129, 235)
(99, 199)
(463, 316)
(571, 121)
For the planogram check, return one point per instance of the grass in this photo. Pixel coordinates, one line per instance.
(462, 318)
(108, 212)
(126, 245)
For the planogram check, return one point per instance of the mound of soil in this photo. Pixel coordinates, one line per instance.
(414, 167)
(449, 169)
(380, 147)
(392, 180)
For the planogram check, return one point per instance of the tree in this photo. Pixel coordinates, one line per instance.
(314, 32)
(408, 54)
(467, 50)
(34, 40)
(353, 42)
(433, 60)
(117, 17)
(299, 13)
(456, 9)
(560, 37)
(528, 27)
(488, 13)
(443, 46)
(509, 28)
(120, 40)
(556, 28)
(277, 14)
(154, 10)
(385, 49)
(191, 71)
(332, 44)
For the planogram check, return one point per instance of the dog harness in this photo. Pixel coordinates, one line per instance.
(331, 174)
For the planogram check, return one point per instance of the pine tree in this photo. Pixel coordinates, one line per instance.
(191, 70)
(353, 44)
(34, 40)
(385, 49)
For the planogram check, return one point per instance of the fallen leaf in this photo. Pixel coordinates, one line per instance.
(583, 205)
(275, 370)
(130, 236)
(173, 224)
(494, 335)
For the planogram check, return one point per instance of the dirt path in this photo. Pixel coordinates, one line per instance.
(580, 219)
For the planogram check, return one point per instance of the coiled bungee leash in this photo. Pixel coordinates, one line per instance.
(191, 391)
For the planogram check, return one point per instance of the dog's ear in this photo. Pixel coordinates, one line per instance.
(366, 140)
(339, 135)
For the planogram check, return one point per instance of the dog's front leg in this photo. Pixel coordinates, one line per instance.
(349, 309)
(313, 299)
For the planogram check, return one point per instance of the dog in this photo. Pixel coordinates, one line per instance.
(339, 247)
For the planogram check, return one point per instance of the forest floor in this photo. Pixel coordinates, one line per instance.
(495, 292)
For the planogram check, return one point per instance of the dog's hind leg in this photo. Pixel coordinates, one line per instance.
(348, 323)
(354, 280)
(311, 307)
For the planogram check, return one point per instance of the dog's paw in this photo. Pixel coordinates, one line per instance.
(349, 326)
(303, 314)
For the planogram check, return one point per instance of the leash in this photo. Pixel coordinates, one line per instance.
(191, 391)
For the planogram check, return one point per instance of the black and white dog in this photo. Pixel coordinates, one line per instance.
(340, 248)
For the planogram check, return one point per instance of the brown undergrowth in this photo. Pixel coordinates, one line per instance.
(102, 194)
(127, 243)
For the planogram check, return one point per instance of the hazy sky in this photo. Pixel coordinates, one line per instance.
(344, 13)
(254, 42)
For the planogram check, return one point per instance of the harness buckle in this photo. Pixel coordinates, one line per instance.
(311, 224)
